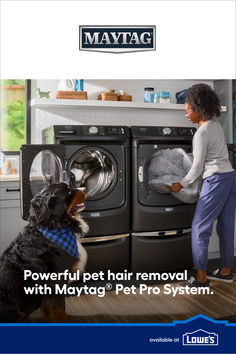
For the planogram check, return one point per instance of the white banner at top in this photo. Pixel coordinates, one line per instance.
(193, 39)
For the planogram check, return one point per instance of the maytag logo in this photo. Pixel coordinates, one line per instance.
(200, 337)
(117, 39)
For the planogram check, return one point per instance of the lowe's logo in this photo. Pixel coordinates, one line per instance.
(117, 39)
(200, 337)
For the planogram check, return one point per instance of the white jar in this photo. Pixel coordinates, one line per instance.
(164, 97)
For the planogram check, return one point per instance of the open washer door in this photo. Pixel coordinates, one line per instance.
(40, 165)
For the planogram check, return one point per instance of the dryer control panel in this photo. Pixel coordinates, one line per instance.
(163, 131)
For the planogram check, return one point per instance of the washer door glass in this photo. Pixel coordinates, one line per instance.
(94, 169)
(45, 169)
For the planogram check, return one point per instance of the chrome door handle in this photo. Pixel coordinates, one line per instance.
(140, 173)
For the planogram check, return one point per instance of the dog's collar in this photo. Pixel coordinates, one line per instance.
(62, 238)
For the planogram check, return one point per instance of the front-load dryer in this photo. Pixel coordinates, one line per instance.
(161, 224)
(97, 158)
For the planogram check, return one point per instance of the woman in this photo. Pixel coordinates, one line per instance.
(218, 194)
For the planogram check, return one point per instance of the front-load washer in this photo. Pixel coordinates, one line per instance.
(97, 158)
(161, 224)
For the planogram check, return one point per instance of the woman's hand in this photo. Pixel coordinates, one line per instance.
(175, 187)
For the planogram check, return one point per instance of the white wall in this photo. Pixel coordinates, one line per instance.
(113, 116)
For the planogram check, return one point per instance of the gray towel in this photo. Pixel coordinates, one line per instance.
(171, 165)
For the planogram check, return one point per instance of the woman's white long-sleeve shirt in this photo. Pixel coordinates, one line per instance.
(210, 153)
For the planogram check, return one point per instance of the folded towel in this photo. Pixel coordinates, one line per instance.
(171, 165)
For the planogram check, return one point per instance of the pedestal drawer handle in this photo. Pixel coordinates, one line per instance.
(12, 189)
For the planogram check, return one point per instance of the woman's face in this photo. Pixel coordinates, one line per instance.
(192, 116)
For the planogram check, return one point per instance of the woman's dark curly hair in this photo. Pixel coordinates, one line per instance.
(203, 100)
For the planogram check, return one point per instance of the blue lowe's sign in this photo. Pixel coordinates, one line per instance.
(200, 337)
(117, 39)
(186, 336)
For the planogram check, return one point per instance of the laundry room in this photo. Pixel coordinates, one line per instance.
(108, 138)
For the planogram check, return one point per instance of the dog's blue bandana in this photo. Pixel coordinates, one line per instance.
(63, 238)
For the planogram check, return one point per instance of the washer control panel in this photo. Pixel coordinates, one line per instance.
(93, 130)
(102, 130)
(88, 130)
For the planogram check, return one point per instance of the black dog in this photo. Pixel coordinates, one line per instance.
(55, 208)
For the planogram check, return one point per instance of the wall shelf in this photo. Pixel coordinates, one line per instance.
(50, 103)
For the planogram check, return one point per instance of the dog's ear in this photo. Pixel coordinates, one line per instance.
(52, 203)
(39, 208)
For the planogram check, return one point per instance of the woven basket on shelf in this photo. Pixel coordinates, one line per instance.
(108, 96)
(76, 95)
(125, 98)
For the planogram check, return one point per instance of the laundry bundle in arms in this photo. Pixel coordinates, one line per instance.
(168, 166)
